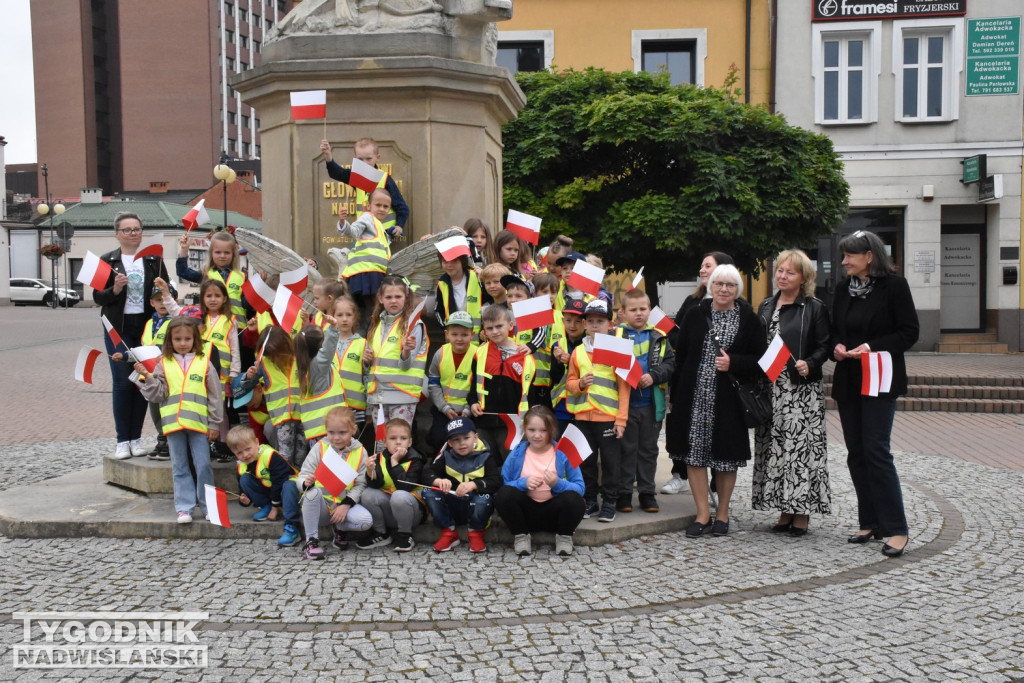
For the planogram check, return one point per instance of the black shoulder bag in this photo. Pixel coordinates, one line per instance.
(755, 397)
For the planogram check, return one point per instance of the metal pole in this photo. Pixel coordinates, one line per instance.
(225, 184)
(54, 302)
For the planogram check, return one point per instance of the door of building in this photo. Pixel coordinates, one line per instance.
(962, 264)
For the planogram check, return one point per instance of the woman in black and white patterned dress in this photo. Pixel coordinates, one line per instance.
(790, 456)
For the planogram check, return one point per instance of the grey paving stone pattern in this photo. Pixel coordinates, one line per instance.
(749, 606)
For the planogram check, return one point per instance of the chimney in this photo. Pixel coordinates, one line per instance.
(92, 195)
(159, 187)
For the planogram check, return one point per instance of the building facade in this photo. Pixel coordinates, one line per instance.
(923, 102)
(130, 93)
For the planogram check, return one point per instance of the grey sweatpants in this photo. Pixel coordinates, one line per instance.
(640, 450)
(316, 513)
(400, 510)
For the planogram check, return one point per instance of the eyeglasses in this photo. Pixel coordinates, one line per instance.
(130, 231)
(724, 285)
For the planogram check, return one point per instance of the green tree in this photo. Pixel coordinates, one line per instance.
(649, 174)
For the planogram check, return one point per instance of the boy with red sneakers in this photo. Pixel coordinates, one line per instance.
(463, 482)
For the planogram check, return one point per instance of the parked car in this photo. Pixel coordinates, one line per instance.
(31, 291)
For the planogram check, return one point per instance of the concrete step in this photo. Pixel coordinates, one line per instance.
(988, 336)
(953, 380)
(953, 405)
(971, 347)
(954, 391)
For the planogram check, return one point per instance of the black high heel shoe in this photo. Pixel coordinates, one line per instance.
(864, 538)
(889, 551)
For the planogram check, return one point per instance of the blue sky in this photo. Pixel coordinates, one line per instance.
(17, 108)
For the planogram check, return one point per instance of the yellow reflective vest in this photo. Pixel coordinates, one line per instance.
(262, 465)
(363, 204)
(236, 279)
(482, 376)
(314, 409)
(354, 458)
(456, 381)
(349, 364)
(186, 404)
(281, 392)
(387, 362)
(151, 339)
(602, 395)
(473, 296)
(369, 254)
(216, 332)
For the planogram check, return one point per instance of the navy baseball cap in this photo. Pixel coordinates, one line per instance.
(571, 256)
(460, 425)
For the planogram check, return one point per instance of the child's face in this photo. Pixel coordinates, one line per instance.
(380, 206)
(397, 437)
(498, 331)
(321, 300)
(494, 288)
(392, 298)
(567, 271)
(549, 293)
(573, 325)
(597, 324)
(222, 253)
(182, 340)
(368, 154)
(158, 304)
(555, 269)
(214, 300)
(480, 238)
(459, 337)
(509, 253)
(247, 451)
(637, 312)
(517, 294)
(453, 269)
(339, 434)
(537, 434)
(463, 444)
(345, 315)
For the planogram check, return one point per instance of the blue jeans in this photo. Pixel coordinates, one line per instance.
(290, 505)
(186, 491)
(447, 509)
(258, 494)
(867, 426)
(129, 406)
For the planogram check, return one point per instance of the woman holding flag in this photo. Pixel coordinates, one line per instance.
(124, 299)
(874, 322)
(790, 451)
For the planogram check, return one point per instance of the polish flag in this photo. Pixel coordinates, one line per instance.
(148, 356)
(414, 318)
(258, 293)
(365, 177)
(453, 247)
(575, 446)
(286, 307)
(659, 321)
(114, 336)
(513, 428)
(533, 313)
(95, 272)
(309, 104)
(637, 279)
(524, 226)
(296, 280)
(154, 246)
(217, 506)
(86, 364)
(196, 216)
(614, 351)
(876, 373)
(380, 433)
(334, 473)
(631, 376)
(586, 277)
(774, 360)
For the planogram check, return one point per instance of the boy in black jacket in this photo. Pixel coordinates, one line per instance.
(462, 485)
(391, 494)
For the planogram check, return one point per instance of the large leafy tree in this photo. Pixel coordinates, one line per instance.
(649, 174)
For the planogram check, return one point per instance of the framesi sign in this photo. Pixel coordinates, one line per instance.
(851, 10)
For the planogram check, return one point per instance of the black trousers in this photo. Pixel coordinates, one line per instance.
(523, 515)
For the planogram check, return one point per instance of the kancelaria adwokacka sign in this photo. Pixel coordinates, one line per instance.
(852, 10)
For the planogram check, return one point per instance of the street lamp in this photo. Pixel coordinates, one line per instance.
(225, 174)
(43, 210)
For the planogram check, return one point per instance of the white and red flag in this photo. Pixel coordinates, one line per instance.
(575, 445)
(631, 376)
(614, 351)
(586, 277)
(148, 356)
(414, 317)
(452, 247)
(875, 373)
(154, 246)
(217, 506)
(296, 280)
(513, 429)
(774, 360)
(533, 313)
(114, 336)
(659, 321)
(95, 271)
(309, 104)
(86, 364)
(365, 177)
(379, 431)
(637, 279)
(258, 293)
(524, 226)
(334, 473)
(196, 216)
(286, 307)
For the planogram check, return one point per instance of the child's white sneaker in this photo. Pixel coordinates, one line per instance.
(124, 450)
(184, 518)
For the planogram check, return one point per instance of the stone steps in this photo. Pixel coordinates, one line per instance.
(971, 342)
(956, 394)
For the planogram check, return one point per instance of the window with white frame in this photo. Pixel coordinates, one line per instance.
(680, 52)
(525, 50)
(927, 62)
(846, 66)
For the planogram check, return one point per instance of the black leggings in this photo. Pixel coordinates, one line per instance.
(523, 515)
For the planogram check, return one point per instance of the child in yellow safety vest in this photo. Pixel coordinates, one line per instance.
(187, 386)
(392, 493)
(458, 289)
(277, 372)
(599, 402)
(262, 473)
(349, 346)
(325, 293)
(545, 284)
(222, 265)
(449, 377)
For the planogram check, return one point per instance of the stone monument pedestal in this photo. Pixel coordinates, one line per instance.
(437, 120)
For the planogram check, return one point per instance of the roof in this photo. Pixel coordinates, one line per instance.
(154, 215)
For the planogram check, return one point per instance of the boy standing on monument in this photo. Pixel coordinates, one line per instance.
(368, 151)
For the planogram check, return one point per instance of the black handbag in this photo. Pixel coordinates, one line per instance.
(755, 397)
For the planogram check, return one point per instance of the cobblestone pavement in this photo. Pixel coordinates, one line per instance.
(750, 606)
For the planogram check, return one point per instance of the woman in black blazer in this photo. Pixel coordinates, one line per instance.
(872, 311)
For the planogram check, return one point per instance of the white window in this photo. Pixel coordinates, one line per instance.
(525, 50)
(846, 67)
(680, 52)
(927, 60)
